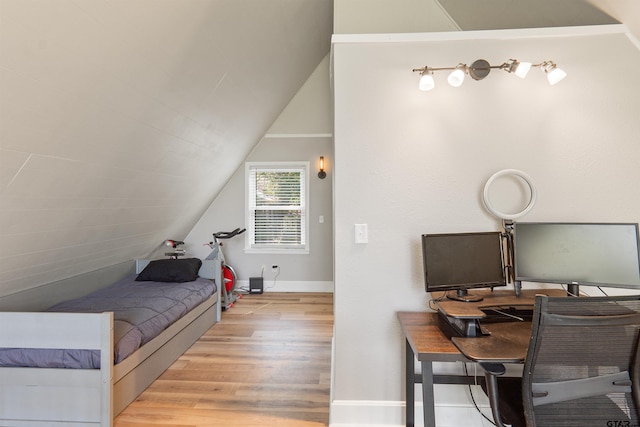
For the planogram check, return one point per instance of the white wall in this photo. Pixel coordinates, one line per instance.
(409, 162)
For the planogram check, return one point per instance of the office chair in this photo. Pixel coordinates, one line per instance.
(582, 367)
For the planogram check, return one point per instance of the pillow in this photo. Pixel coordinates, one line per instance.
(171, 270)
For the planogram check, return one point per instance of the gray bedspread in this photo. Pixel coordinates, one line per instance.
(142, 310)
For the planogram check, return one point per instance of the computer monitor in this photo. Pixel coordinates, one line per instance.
(601, 254)
(462, 261)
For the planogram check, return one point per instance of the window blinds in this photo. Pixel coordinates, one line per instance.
(277, 204)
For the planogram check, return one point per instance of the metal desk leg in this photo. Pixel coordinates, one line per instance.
(428, 404)
(410, 376)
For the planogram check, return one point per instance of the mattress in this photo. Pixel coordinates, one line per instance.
(141, 309)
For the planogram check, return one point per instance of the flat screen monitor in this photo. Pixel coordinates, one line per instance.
(462, 261)
(601, 254)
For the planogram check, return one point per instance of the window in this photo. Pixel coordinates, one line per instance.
(277, 207)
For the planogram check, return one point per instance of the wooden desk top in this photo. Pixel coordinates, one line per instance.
(472, 310)
(508, 343)
(426, 339)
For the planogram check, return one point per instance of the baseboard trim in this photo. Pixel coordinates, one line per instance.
(367, 413)
(362, 413)
(292, 286)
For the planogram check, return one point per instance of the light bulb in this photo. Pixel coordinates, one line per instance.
(555, 74)
(426, 82)
(456, 77)
(522, 69)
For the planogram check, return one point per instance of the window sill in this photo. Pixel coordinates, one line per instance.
(281, 251)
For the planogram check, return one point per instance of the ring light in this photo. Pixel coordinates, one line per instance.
(512, 172)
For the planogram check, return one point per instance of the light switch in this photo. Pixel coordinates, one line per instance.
(321, 219)
(362, 234)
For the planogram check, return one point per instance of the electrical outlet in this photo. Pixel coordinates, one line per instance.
(274, 267)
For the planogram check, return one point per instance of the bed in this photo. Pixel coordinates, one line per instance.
(77, 363)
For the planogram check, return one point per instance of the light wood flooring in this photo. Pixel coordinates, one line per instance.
(267, 363)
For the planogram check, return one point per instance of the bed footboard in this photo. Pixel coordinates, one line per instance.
(51, 397)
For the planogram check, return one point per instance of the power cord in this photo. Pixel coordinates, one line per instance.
(275, 278)
(432, 301)
(473, 399)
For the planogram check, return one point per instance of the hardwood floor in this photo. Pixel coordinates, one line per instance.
(267, 363)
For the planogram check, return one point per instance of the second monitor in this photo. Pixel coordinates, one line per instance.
(462, 261)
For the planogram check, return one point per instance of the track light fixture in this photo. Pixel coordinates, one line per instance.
(426, 80)
(480, 69)
(521, 69)
(456, 78)
(554, 74)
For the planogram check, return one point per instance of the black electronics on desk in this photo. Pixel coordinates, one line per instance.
(462, 261)
(597, 254)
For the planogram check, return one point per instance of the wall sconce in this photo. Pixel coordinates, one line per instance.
(480, 69)
(321, 173)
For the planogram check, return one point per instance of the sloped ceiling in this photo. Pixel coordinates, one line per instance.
(120, 120)
(625, 11)
(511, 14)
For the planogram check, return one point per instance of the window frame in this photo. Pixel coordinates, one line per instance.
(289, 249)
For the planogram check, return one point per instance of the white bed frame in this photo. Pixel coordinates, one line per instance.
(39, 397)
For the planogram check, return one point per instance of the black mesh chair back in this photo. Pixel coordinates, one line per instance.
(582, 367)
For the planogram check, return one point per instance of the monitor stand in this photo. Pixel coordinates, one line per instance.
(573, 290)
(464, 296)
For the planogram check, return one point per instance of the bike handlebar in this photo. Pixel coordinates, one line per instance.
(228, 234)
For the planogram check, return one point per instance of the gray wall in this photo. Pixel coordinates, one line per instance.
(302, 132)
(227, 213)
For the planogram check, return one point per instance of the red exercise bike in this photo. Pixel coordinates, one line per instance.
(229, 290)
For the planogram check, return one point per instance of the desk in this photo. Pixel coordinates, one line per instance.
(426, 343)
